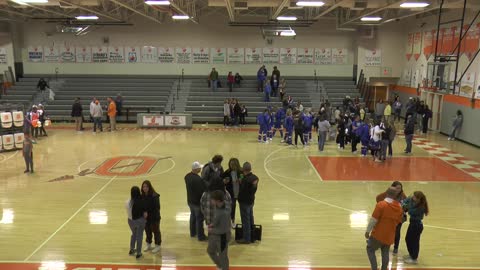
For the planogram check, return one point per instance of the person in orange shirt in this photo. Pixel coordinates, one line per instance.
(112, 113)
(382, 226)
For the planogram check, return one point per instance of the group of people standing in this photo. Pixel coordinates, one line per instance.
(96, 112)
(384, 227)
(234, 113)
(212, 196)
(272, 86)
(33, 127)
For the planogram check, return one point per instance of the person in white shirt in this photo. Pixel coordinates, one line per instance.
(96, 113)
(375, 135)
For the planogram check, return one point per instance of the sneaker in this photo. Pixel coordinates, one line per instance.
(410, 261)
(233, 225)
(131, 252)
(243, 242)
(395, 251)
(156, 249)
(139, 256)
(27, 171)
(147, 248)
(449, 138)
(282, 141)
(407, 257)
(453, 139)
(354, 152)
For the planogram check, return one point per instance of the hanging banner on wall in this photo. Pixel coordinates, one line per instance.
(323, 56)
(3, 56)
(471, 41)
(219, 55)
(467, 84)
(116, 54)
(456, 39)
(67, 54)
(201, 55)
(166, 55)
(99, 54)
(236, 55)
(427, 44)
(407, 77)
(149, 54)
(83, 54)
(51, 54)
(447, 41)
(339, 56)
(35, 54)
(253, 56)
(409, 49)
(271, 55)
(417, 45)
(183, 55)
(373, 58)
(132, 54)
(288, 55)
(305, 56)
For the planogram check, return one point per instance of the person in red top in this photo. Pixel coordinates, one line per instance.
(230, 81)
(381, 228)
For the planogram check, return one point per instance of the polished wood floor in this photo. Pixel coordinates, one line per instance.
(72, 209)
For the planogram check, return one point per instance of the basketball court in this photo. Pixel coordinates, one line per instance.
(70, 214)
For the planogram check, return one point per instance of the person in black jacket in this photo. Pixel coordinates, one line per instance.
(77, 112)
(298, 125)
(137, 213)
(246, 198)
(341, 133)
(427, 114)
(42, 85)
(152, 200)
(213, 171)
(237, 110)
(231, 178)
(409, 131)
(195, 188)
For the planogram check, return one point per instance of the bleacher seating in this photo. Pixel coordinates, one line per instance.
(22, 92)
(339, 88)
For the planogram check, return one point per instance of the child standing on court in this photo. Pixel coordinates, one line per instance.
(219, 231)
(28, 153)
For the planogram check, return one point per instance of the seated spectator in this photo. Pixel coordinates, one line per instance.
(230, 81)
(238, 79)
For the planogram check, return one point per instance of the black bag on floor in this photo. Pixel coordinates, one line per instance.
(256, 234)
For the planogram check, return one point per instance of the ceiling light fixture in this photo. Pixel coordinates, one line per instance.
(86, 17)
(414, 5)
(288, 33)
(310, 3)
(371, 19)
(25, 2)
(286, 18)
(180, 17)
(157, 3)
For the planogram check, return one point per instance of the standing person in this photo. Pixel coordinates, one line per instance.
(380, 232)
(282, 88)
(238, 79)
(231, 178)
(388, 111)
(261, 78)
(267, 89)
(42, 85)
(337, 113)
(400, 198)
(356, 123)
(119, 104)
(420, 113)
(323, 127)
(195, 189)
(97, 113)
(457, 123)
(298, 124)
(417, 207)
(243, 115)
(152, 227)
(341, 133)
(112, 113)
(219, 233)
(379, 109)
(393, 133)
(42, 118)
(385, 126)
(276, 73)
(230, 81)
(137, 214)
(27, 152)
(92, 104)
(226, 112)
(275, 84)
(213, 170)
(77, 112)
(397, 108)
(214, 79)
(427, 114)
(278, 122)
(411, 108)
(246, 198)
(206, 206)
(362, 112)
(237, 110)
(409, 131)
(288, 127)
(375, 135)
(263, 130)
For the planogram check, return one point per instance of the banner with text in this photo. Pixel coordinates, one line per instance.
(427, 44)
(373, 58)
(116, 54)
(339, 56)
(132, 54)
(305, 56)
(35, 54)
(219, 55)
(183, 55)
(83, 54)
(236, 55)
(166, 55)
(417, 45)
(253, 56)
(323, 56)
(288, 55)
(51, 54)
(467, 84)
(409, 48)
(201, 55)
(99, 54)
(3, 56)
(271, 55)
(149, 54)
(67, 54)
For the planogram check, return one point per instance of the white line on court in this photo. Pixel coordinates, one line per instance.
(11, 156)
(336, 206)
(85, 204)
(313, 168)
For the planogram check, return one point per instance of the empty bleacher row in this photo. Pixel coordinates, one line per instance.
(22, 92)
(339, 88)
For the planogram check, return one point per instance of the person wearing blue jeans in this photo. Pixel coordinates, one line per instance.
(195, 189)
(196, 222)
(246, 198)
(267, 89)
(214, 79)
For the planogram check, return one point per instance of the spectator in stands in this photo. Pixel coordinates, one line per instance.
(246, 198)
(195, 189)
(42, 85)
(214, 79)
(457, 123)
(337, 113)
(97, 114)
(238, 79)
(230, 81)
(226, 112)
(379, 109)
(243, 115)
(281, 87)
(274, 82)
(119, 104)
(42, 119)
(28, 153)
(267, 91)
(112, 113)
(261, 77)
(77, 112)
(92, 104)
(276, 73)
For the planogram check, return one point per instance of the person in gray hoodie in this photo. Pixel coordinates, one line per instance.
(323, 127)
(97, 113)
(219, 231)
(457, 123)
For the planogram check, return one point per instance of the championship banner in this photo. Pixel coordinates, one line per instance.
(417, 45)
(288, 55)
(427, 44)
(149, 54)
(201, 55)
(132, 54)
(253, 56)
(100, 54)
(236, 55)
(271, 55)
(67, 54)
(35, 54)
(219, 55)
(373, 58)
(153, 121)
(83, 54)
(470, 45)
(467, 84)
(407, 77)
(447, 41)
(166, 55)
(175, 120)
(305, 56)
(116, 54)
(409, 49)
(184, 55)
(339, 56)
(3, 55)
(51, 54)
(323, 56)
(456, 39)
